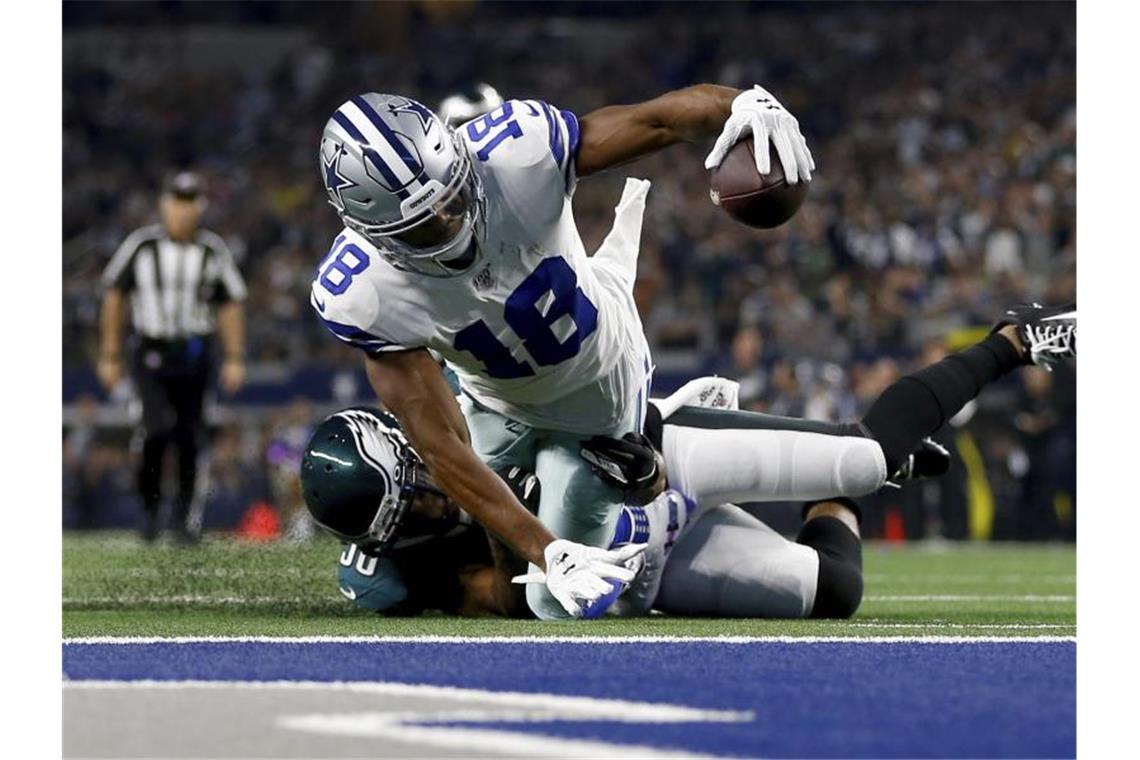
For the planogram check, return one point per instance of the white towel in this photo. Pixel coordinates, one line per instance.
(619, 250)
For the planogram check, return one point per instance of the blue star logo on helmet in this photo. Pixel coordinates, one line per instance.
(335, 182)
(418, 110)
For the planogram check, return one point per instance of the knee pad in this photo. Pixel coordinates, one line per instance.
(861, 468)
(839, 587)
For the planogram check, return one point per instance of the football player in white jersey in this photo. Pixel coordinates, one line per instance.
(704, 556)
(464, 243)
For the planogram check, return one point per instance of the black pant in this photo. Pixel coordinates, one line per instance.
(172, 377)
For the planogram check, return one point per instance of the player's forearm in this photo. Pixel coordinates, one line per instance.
(459, 473)
(413, 388)
(693, 113)
(111, 324)
(231, 330)
(615, 135)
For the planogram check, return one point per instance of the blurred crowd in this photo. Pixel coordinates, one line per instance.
(944, 137)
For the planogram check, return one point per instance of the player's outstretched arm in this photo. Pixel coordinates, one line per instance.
(616, 135)
(414, 389)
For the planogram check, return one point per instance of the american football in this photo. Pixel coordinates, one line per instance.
(762, 201)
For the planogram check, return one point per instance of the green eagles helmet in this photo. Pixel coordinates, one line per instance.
(359, 476)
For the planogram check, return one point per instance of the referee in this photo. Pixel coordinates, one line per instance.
(181, 282)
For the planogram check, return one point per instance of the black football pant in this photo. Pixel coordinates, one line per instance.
(172, 378)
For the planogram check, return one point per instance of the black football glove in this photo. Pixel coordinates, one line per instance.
(524, 485)
(629, 463)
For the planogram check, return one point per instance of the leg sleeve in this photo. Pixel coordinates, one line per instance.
(732, 565)
(713, 466)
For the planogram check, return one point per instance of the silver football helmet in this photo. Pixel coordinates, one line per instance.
(401, 178)
(464, 106)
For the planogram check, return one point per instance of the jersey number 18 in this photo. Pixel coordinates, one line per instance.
(535, 327)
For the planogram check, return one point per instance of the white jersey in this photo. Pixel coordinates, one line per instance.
(534, 329)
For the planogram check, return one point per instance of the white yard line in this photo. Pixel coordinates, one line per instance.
(566, 639)
(160, 599)
(942, 579)
(970, 598)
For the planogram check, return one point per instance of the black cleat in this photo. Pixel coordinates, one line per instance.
(1048, 333)
(930, 460)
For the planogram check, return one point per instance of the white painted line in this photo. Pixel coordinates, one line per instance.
(178, 599)
(170, 599)
(409, 727)
(565, 639)
(970, 598)
(944, 578)
(630, 712)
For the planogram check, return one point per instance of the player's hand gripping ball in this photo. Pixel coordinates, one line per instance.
(760, 164)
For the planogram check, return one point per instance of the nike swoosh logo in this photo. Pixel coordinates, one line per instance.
(320, 306)
(349, 593)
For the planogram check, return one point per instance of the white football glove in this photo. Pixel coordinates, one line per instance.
(577, 573)
(757, 111)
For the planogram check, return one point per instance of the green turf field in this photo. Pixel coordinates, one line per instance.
(115, 586)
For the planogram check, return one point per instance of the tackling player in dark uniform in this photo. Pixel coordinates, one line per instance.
(414, 549)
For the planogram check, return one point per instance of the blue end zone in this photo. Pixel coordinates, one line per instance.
(819, 699)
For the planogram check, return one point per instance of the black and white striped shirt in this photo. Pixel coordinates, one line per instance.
(173, 285)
